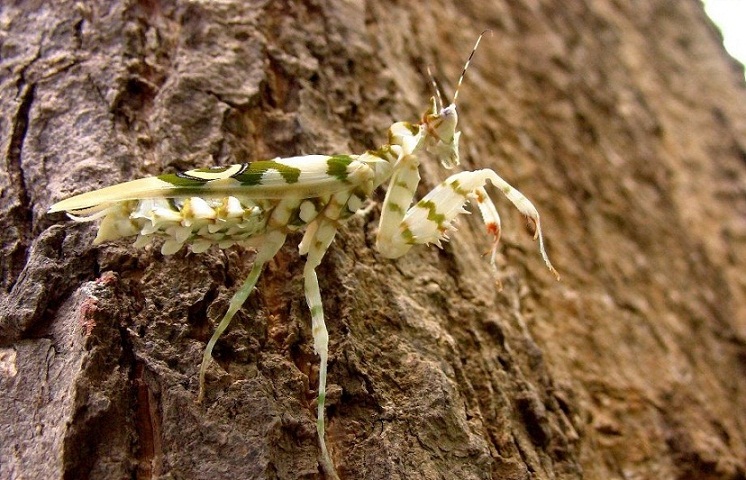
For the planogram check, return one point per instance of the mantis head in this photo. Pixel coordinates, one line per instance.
(439, 122)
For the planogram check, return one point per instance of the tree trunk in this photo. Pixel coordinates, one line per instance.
(624, 122)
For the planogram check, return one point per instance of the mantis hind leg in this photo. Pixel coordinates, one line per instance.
(273, 242)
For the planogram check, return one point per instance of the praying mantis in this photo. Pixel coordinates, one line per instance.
(259, 203)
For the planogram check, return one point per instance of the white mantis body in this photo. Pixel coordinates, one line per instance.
(259, 203)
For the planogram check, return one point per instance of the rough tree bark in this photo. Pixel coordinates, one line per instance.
(623, 121)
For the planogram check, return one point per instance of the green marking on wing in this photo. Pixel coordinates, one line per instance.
(337, 166)
(213, 169)
(253, 174)
(178, 181)
(209, 174)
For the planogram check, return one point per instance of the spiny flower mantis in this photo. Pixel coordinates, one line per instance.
(259, 203)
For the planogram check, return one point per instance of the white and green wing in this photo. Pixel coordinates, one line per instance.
(299, 177)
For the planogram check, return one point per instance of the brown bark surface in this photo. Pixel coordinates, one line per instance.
(624, 122)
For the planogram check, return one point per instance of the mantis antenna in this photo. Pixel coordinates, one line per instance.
(466, 65)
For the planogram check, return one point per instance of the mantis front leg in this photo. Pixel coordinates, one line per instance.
(431, 219)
